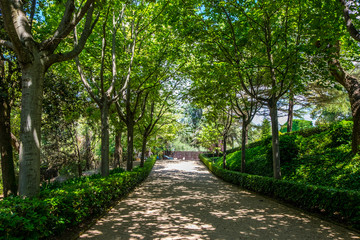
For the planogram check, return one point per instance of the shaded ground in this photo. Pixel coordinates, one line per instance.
(182, 200)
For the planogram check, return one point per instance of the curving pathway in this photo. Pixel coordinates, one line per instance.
(182, 200)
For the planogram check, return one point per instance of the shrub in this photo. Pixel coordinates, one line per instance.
(338, 204)
(341, 133)
(289, 149)
(64, 205)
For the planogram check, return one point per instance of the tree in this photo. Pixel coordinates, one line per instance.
(261, 40)
(265, 128)
(9, 82)
(35, 58)
(159, 104)
(350, 82)
(153, 53)
(245, 107)
(101, 87)
(223, 119)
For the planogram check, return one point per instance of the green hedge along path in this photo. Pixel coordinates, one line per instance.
(183, 200)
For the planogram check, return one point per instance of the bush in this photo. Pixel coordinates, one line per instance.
(289, 149)
(338, 204)
(65, 205)
(341, 133)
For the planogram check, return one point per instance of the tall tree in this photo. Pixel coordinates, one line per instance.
(150, 51)
(246, 107)
(350, 82)
(101, 86)
(35, 58)
(263, 38)
(336, 43)
(8, 88)
(222, 116)
(160, 102)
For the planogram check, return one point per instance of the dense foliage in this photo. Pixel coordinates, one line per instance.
(341, 205)
(319, 156)
(64, 205)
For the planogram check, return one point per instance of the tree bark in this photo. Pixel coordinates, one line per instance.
(275, 140)
(143, 149)
(7, 162)
(244, 141)
(130, 147)
(118, 149)
(30, 126)
(290, 113)
(352, 86)
(78, 154)
(87, 147)
(105, 139)
(224, 154)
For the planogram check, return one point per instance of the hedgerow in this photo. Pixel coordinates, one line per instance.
(64, 205)
(341, 205)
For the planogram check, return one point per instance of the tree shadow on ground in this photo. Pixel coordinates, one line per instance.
(182, 200)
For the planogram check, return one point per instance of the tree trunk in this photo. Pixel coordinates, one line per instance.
(224, 154)
(30, 126)
(143, 149)
(275, 140)
(118, 152)
(7, 162)
(105, 139)
(217, 152)
(87, 147)
(78, 155)
(352, 86)
(130, 147)
(244, 141)
(290, 113)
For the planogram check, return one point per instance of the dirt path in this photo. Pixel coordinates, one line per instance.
(182, 200)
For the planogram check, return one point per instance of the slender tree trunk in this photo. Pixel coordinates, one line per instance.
(78, 155)
(118, 152)
(143, 149)
(130, 147)
(244, 141)
(224, 155)
(290, 113)
(87, 146)
(7, 162)
(30, 126)
(105, 139)
(275, 140)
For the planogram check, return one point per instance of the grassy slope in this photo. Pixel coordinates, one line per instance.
(320, 156)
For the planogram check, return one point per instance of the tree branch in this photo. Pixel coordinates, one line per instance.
(354, 33)
(32, 13)
(89, 26)
(17, 27)
(67, 24)
(7, 44)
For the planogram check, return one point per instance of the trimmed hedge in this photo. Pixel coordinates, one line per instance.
(338, 204)
(59, 207)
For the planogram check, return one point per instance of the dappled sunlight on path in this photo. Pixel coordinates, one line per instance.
(182, 200)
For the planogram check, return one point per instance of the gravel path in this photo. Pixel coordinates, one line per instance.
(182, 200)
